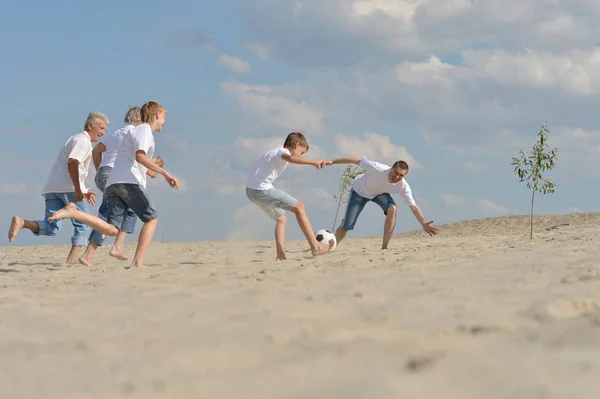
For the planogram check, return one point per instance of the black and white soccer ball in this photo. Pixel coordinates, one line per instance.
(324, 236)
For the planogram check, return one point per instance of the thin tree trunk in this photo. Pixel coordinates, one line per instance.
(531, 220)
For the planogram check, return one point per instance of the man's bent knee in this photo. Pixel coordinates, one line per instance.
(392, 210)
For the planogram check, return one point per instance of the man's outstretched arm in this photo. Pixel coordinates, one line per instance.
(346, 160)
(429, 229)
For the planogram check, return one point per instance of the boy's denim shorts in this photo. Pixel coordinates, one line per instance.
(357, 202)
(273, 201)
(122, 196)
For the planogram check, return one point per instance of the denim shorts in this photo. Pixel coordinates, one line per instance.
(122, 196)
(357, 202)
(273, 201)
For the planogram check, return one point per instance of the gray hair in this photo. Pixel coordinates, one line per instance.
(133, 115)
(94, 118)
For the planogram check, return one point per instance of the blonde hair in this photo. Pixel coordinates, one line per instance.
(94, 118)
(149, 110)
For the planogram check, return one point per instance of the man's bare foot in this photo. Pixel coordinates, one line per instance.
(65, 213)
(117, 253)
(138, 266)
(281, 256)
(16, 225)
(322, 249)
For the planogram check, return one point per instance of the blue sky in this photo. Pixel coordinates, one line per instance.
(456, 87)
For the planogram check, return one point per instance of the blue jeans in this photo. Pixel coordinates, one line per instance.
(55, 202)
(123, 197)
(130, 219)
(357, 202)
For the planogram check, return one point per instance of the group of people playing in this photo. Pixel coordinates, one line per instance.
(124, 159)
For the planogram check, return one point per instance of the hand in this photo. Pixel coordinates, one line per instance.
(172, 180)
(78, 195)
(90, 197)
(429, 229)
(328, 163)
(319, 164)
(159, 160)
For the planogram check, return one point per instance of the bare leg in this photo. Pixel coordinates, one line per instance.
(117, 249)
(280, 237)
(144, 241)
(388, 227)
(316, 247)
(72, 258)
(340, 234)
(17, 223)
(71, 212)
(88, 256)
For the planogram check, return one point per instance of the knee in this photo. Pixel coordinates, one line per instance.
(391, 211)
(281, 219)
(299, 207)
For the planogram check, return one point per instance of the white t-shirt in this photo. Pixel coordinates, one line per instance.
(78, 147)
(112, 142)
(126, 169)
(375, 181)
(267, 169)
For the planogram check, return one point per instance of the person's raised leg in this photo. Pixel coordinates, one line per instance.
(280, 237)
(388, 227)
(316, 247)
(71, 212)
(144, 241)
(17, 224)
(39, 227)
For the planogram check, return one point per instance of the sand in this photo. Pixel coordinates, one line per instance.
(478, 311)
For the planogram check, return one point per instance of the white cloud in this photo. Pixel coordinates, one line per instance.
(276, 109)
(491, 207)
(235, 64)
(452, 200)
(475, 167)
(13, 188)
(375, 147)
(261, 50)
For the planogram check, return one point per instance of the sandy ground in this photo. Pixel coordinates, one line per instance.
(478, 311)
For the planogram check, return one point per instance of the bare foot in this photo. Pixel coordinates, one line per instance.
(117, 253)
(86, 262)
(138, 266)
(322, 249)
(281, 257)
(65, 213)
(16, 225)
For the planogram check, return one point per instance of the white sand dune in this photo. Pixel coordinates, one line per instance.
(478, 311)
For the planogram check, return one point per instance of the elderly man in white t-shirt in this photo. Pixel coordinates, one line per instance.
(66, 184)
(377, 184)
(104, 156)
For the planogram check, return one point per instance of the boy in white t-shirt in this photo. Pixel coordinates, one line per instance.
(126, 185)
(274, 202)
(66, 184)
(376, 185)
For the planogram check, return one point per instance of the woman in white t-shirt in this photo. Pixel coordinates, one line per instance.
(377, 184)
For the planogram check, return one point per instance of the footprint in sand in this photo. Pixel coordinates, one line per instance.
(563, 308)
(582, 275)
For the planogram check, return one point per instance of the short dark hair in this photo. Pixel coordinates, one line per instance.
(401, 164)
(295, 138)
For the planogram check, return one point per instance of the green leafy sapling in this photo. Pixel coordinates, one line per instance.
(529, 168)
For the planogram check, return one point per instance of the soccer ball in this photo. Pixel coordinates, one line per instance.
(324, 235)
